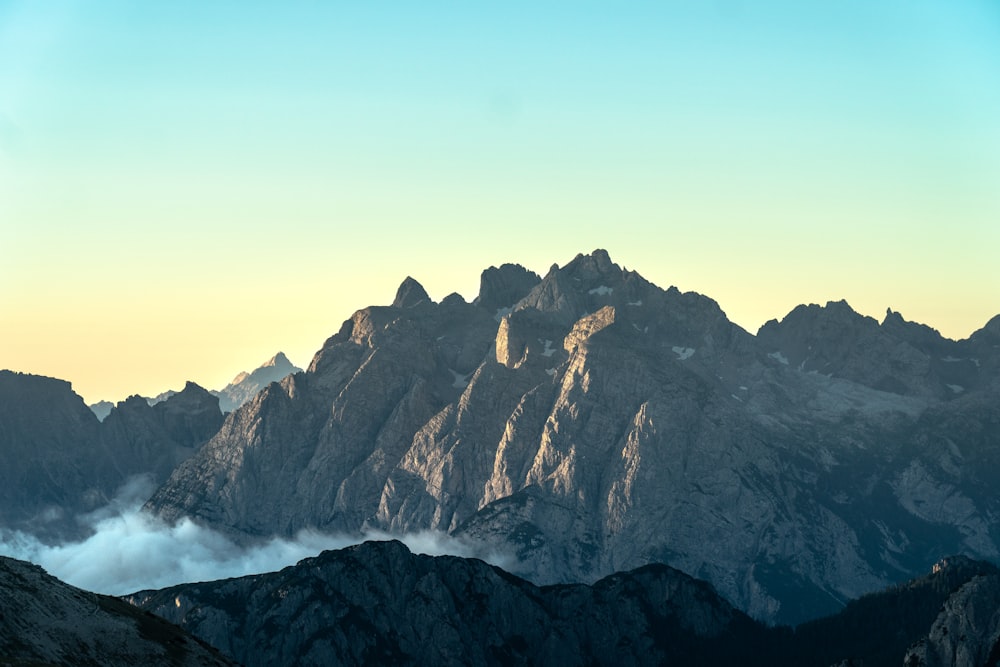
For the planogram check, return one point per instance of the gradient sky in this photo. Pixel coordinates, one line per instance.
(188, 187)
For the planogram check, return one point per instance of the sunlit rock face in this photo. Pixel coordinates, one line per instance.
(589, 422)
(47, 622)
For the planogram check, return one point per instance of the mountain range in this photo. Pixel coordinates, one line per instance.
(61, 462)
(590, 422)
(242, 388)
(377, 603)
(589, 426)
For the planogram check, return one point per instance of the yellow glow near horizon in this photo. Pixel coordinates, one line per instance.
(177, 202)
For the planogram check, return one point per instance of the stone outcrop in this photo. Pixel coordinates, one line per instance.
(966, 632)
(500, 288)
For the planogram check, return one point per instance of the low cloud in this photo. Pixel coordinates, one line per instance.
(131, 550)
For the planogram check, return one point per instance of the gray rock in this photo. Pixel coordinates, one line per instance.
(966, 632)
(410, 293)
(102, 409)
(502, 287)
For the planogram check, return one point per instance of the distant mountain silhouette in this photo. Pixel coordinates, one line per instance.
(60, 461)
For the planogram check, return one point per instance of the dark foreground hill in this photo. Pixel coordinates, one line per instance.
(46, 622)
(377, 603)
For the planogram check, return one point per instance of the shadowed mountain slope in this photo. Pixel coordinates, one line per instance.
(46, 622)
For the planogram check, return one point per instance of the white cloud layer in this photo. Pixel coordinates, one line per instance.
(130, 550)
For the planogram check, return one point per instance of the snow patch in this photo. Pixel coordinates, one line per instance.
(957, 388)
(779, 357)
(635, 303)
(603, 290)
(683, 352)
(551, 372)
(742, 388)
(950, 359)
(549, 350)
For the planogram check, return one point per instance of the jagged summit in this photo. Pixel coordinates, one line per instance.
(246, 385)
(410, 294)
(277, 360)
(502, 287)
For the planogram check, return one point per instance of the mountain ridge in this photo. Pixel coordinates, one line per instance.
(378, 602)
(572, 423)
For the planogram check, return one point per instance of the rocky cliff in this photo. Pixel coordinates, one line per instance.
(46, 622)
(966, 632)
(592, 422)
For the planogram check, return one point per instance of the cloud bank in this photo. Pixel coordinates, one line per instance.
(131, 550)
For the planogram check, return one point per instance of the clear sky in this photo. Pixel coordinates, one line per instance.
(188, 187)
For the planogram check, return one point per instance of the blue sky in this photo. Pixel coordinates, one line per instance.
(186, 188)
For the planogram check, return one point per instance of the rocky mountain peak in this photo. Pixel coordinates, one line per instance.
(453, 299)
(504, 286)
(990, 333)
(278, 361)
(410, 294)
(597, 264)
(921, 336)
(246, 385)
(584, 285)
(191, 400)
